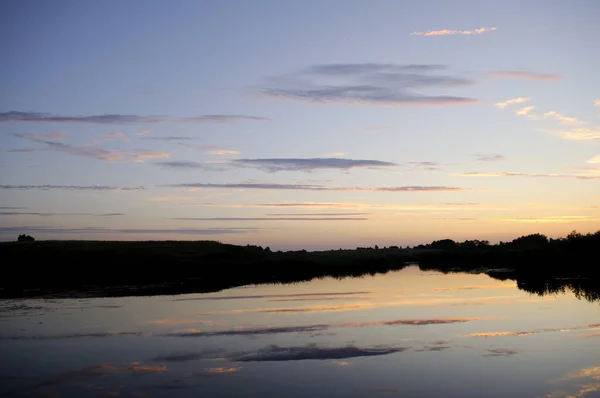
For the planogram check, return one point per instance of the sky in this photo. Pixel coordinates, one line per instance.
(299, 124)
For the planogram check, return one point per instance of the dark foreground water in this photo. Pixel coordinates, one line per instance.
(407, 334)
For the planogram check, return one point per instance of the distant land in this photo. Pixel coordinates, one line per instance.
(109, 268)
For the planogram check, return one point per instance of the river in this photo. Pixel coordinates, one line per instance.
(407, 333)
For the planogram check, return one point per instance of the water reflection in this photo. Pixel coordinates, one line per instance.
(327, 337)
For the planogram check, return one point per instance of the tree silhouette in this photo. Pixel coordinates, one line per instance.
(25, 238)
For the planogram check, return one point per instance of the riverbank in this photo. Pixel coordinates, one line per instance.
(104, 268)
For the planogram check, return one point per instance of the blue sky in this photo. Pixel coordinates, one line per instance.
(299, 124)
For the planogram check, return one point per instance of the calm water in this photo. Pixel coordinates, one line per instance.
(407, 333)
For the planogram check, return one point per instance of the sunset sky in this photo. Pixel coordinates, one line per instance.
(299, 124)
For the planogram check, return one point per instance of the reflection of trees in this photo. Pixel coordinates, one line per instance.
(588, 289)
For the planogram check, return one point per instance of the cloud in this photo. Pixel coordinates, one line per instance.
(535, 331)
(551, 219)
(84, 375)
(56, 136)
(500, 352)
(309, 164)
(315, 214)
(517, 100)
(92, 152)
(144, 132)
(186, 164)
(447, 32)
(501, 334)
(334, 155)
(411, 322)
(367, 84)
(16, 213)
(490, 158)
(169, 138)
(320, 298)
(273, 296)
(251, 331)
(191, 356)
(274, 165)
(313, 187)
(578, 134)
(564, 119)
(221, 370)
(12, 208)
(99, 230)
(515, 174)
(524, 111)
(116, 136)
(69, 336)
(313, 352)
(16, 116)
(270, 218)
(74, 187)
(428, 166)
(433, 348)
(519, 74)
(220, 152)
(594, 160)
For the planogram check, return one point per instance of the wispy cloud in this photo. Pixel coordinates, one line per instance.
(314, 187)
(314, 352)
(564, 119)
(91, 151)
(116, 136)
(427, 165)
(589, 176)
(585, 383)
(411, 322)
(262, 296)
(367, 84)
(270, 219)
(315, 214)
(493, 157)
(309, 164)
(104, 369)
(75, 187)
(169, 138)
(191, 165)
(221, 152)
(535, 331)
(191, 356)
(517, 100)
(251, 331)
(60, 214)
(500, 352)
(16, 116)
(133, 231)
(550, 219)
(519, 74)
(597, 103)
(577, 134)
(525, 111)
(594, 160)
(56, 136)
(96, 335)
(448, 32)
(334, 154)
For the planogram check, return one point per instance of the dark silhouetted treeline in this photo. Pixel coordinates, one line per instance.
(98, 268)
(533, 255)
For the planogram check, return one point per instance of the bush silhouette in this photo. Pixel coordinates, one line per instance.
(25, 238)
